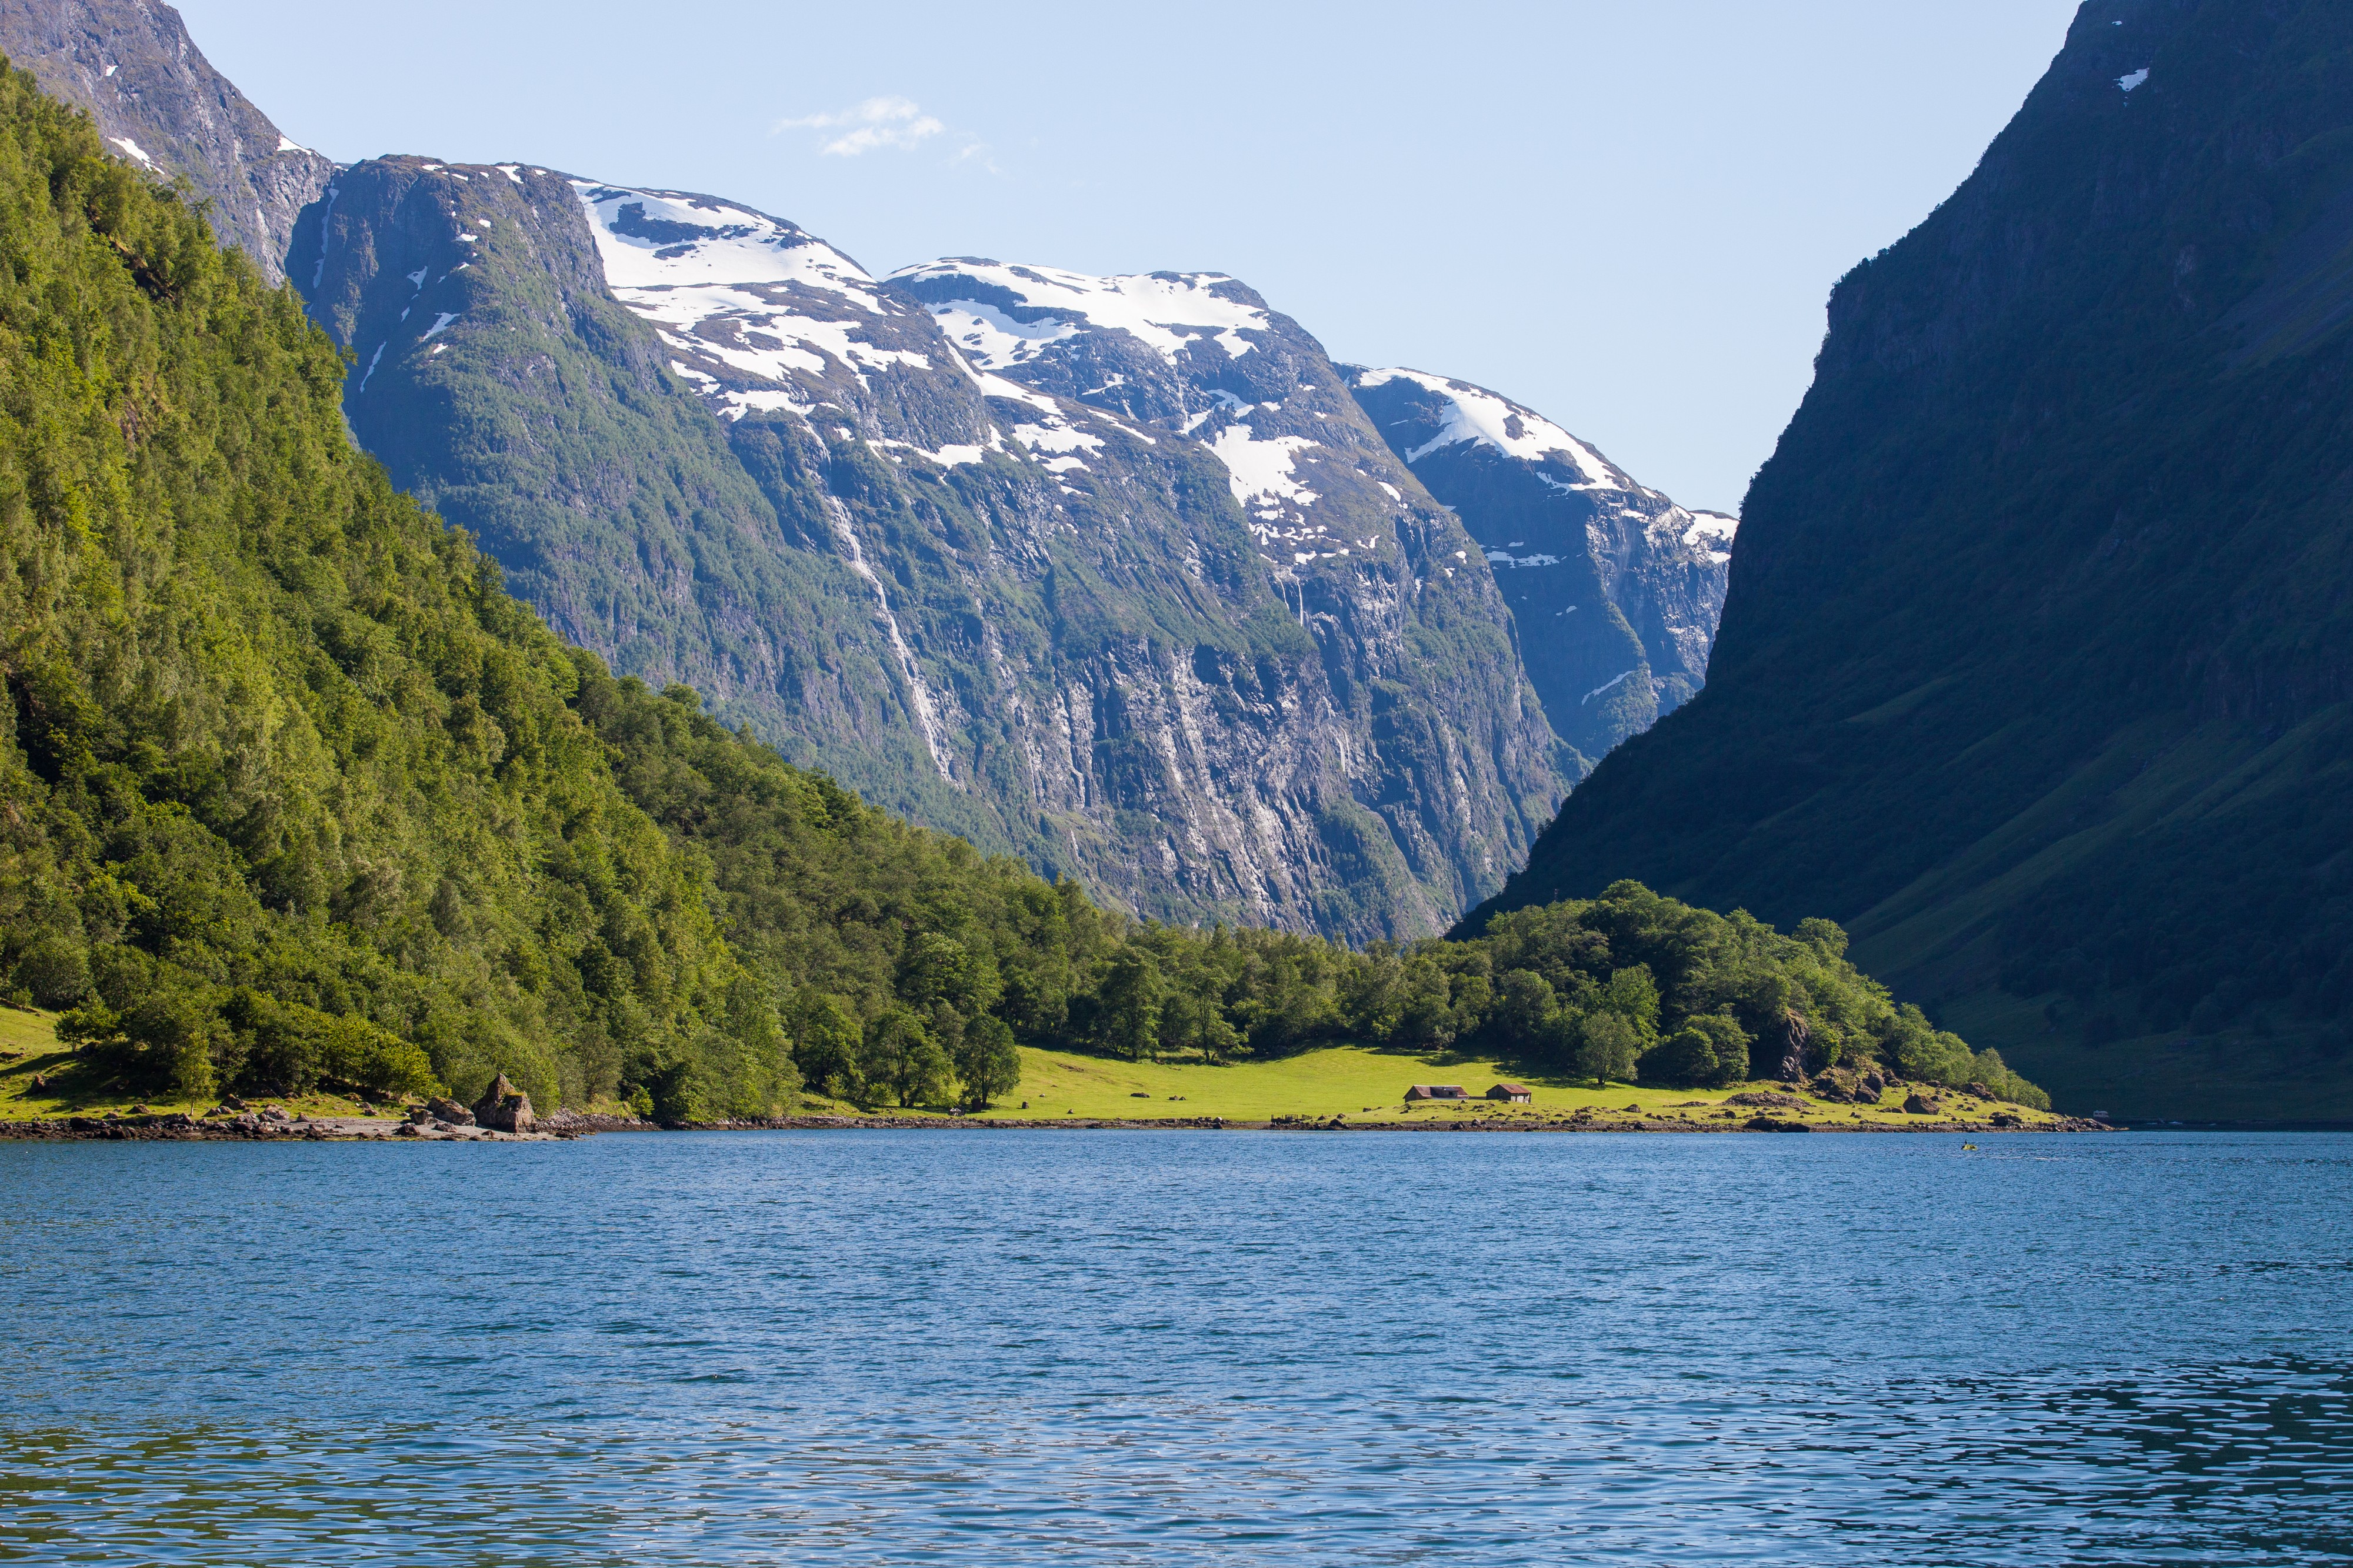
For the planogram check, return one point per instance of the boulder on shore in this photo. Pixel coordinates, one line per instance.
(503, 1107)
(444, 1108)
(1922, 1105)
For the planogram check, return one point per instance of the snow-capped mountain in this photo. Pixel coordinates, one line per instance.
(713, 448)
(1617, 590)
(1196, 356)
(163, 107)
(1567, 533)
(762, 317)
(1111, 573)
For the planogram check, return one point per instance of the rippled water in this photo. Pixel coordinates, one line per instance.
(1017, 1348)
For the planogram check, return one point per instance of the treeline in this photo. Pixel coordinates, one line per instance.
(894, 952)
(291, 792)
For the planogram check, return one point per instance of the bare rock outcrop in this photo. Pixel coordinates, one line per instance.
(503, 1107)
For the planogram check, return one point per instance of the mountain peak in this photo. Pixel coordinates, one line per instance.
(1000, 315)
(160, 104)
(1476, 414)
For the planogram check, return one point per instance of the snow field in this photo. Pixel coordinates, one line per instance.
(1165, 310)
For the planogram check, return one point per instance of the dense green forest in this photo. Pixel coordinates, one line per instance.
(891, 952)
(291, 790)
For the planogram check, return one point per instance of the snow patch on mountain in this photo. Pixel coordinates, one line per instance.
(949, 457)
(1710, 533)
(1257, 468)
(996, 339)
(664, 239)
(1611, 686)
(1167, 311)
(1479, 415)
(734, 406)
(754, 293)
(1225, 403)
(997, 386)
(1056, 437)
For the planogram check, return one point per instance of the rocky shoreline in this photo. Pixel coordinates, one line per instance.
(563, 1125)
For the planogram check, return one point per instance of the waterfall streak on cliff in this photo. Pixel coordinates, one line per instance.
(927, 717)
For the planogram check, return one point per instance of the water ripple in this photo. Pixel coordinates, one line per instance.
(1160, 1349)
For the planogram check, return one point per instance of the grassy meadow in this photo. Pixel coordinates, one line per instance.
(1346, 1081)
(1362, 1084)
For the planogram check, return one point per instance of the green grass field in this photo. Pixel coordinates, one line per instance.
(1344, 1081)
(29, 1050)
(1362, 1086)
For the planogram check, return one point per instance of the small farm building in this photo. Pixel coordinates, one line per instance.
(1512, 1094)
(1427, 1091)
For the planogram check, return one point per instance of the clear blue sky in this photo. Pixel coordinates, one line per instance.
(1626, 213)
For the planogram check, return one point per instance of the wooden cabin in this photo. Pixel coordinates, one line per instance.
(1423, 1093)
(1512, 1094)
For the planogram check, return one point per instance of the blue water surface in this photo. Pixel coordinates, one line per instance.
(1012, 1348)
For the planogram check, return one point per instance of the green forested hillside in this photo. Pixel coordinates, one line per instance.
(291, 790)
(280, 749)
(895, 954)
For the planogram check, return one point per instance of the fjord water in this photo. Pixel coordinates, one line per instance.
(1161, 1348)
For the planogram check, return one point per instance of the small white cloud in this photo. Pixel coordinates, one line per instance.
(976, 153)
(898, 123)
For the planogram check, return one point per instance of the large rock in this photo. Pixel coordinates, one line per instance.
(1923, 1105)
(503, 1107)
(449, 1111)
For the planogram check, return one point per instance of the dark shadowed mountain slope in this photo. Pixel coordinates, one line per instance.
(161, 105)
(2034, 663)
(1616, 590)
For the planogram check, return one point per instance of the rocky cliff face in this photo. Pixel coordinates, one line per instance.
(1114, 573)
(161, 105)
(2033, 668)
(1221, 658)
(1616, 590)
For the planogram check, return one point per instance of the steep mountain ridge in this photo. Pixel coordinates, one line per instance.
(161, 105)
(1022, 618)
(1616, 589)
(2033, 665)
(713, 450)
